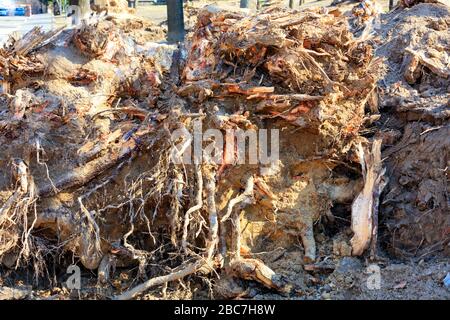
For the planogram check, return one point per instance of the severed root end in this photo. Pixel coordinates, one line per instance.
(104, 269)
(307, 235)
(254, 269)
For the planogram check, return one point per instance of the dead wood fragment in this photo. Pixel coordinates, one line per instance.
(295, 96)
(34, 39)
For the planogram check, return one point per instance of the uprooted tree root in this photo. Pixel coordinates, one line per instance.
(114, 196)
(93, 168)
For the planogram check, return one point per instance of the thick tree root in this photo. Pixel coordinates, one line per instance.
(309, 243)
(249, 269)
(177, 275)
(196, 207)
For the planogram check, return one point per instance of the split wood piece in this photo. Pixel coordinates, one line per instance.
(236, 88)
(203, 88)
(263, 188)
(34, 39)
(294, 96)
(365, 206)
(139, 113)
(286, 109)
(268, 93)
